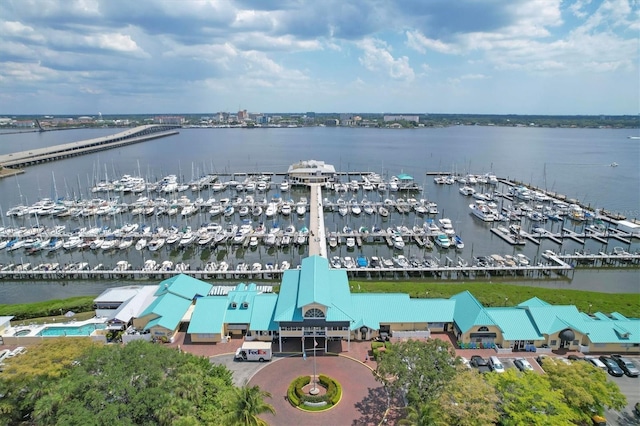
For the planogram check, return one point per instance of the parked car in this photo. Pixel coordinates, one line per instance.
(17, 351)
(612, 367)
(523, 364)
(575, 358)
(596, 362)
(480, 363)
(627, 366)
(4, 353)
(465, 362)
(495, 364)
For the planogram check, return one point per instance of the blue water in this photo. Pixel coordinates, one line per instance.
(573, 162)
(83, 330)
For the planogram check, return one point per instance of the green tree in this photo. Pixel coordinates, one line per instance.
(585, 388)
(245, 404)
(528, 399)
(467, 400)
(136, 384)
(418, 369)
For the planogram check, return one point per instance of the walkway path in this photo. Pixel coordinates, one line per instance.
(317, 237)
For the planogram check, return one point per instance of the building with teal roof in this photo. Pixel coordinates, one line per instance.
(171, 305)
(537, 325)
(316, 301)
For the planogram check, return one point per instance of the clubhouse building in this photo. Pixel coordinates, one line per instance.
(316, 301)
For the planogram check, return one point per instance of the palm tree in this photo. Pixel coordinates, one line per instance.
(245, 404)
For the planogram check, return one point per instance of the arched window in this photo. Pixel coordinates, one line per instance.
(483, 328)
(314, 313)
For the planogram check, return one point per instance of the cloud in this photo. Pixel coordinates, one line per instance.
(377, 57)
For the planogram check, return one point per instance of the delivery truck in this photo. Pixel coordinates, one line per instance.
(254, 351)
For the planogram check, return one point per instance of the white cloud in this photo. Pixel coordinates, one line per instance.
(417, 41)
(377, 57)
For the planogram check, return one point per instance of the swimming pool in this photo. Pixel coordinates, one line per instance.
(22, 333)
(82, 330)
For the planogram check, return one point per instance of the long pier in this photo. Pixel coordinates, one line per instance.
(57, 152)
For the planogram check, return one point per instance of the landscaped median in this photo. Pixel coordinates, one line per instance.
(328, 393)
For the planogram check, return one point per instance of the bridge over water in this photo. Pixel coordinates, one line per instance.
(57, 152)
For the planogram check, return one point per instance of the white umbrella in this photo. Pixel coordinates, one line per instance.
(70, 314)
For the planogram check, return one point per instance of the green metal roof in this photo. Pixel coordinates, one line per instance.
(515, 323)
(469, 312)
(170, 310)
(184, 286)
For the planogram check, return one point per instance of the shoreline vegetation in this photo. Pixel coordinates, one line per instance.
(489, 294)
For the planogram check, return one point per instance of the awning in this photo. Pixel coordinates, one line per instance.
(115, 327)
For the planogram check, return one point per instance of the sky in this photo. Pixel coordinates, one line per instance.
(551, 57)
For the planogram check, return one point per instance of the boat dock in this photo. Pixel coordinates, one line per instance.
(57, 152)
(317, 236)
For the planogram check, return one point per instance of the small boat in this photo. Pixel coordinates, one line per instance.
(362, 262)
(156, 244)
(141, 244)
(383, 211)
(442, 240)
(398, 242)
(457, 241)
(351, 243)
(348, 262)
(401, 261)
(335, 262)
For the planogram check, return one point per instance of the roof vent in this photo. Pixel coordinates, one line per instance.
(245, 305)
(234, 305)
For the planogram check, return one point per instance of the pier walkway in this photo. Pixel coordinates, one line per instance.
(57, 152)
(317, 237)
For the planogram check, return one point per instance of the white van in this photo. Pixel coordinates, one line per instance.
(17, 351)
(495, 364)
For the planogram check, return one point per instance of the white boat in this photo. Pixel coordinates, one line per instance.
(383, 211)
(466, 190)
(229, 211)
(285, 265)
(333, 240)
(96, 243)
(335, 262)
(348, 262)
(256, 267)
(253, 241)
(122, 265)
(356, 209)
(187, 238)
(457, 241)
(398, 242)
(156, 244)
(286, 209)
(351, 243)
(446, 226)
(125, 243)
(141, 244)
(482, 211)
(368, 208)
(442, 240)
(522, 260)
(285, 186)
(401, 261)
(256, 211)
(301, 208)
(166, 266)
(272, 209)
(150, 265)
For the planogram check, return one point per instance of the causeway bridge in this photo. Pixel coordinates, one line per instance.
(57, 152)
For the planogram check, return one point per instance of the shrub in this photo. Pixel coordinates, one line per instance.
(376, 345)
(297, 397)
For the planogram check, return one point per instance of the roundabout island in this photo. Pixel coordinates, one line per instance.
(362, 399)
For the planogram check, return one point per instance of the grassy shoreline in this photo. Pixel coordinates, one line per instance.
(489, 294)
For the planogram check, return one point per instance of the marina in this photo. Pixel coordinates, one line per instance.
(161, 221)
(371, 221)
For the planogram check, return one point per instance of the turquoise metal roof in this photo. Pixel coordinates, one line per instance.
(263, 310)
(469, 312)
(314, 282)
(208, 315)
(184, 286)
(515, 323)
(551, 319)
(170, 310)
(534, 301)
(404, 176)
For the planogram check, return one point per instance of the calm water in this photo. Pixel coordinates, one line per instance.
(574, 162)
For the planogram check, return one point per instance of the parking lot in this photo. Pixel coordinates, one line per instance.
(629, 386)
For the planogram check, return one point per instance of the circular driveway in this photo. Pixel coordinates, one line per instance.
(363, 402)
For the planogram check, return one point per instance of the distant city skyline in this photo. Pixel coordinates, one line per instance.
(524, 57)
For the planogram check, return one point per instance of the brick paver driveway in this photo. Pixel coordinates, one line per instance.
(364, 400)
